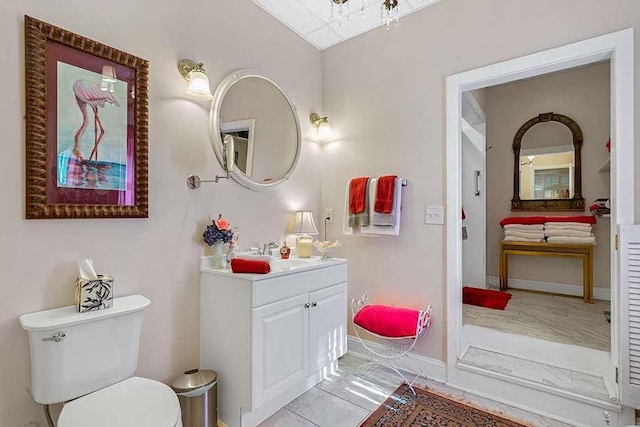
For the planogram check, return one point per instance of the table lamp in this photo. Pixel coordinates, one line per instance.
(303, 226)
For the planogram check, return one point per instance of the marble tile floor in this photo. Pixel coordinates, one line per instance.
(553, 376)
(349, 395)
(554, 318)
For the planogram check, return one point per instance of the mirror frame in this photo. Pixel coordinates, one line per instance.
(576, 203)
(216, 140)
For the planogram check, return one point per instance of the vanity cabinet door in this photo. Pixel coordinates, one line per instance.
(328, 326)
(280, 347)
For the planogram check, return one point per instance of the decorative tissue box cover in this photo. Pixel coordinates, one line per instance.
(94, 294)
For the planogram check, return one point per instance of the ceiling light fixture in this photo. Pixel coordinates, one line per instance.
(389, 11)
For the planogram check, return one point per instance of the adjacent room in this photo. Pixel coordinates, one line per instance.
(278, 210)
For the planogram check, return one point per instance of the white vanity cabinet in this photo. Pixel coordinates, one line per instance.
(269, 336)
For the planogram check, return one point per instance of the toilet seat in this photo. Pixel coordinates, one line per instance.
(134, 402)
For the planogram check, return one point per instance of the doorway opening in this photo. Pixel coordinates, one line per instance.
(546, 292)
(616, 48)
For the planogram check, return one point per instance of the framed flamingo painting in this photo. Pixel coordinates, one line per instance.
(86, 127)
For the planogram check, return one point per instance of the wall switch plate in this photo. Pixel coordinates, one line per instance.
(434, 215)
(328, 213)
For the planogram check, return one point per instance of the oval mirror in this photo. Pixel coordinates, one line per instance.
(264, 124)
(547, 165)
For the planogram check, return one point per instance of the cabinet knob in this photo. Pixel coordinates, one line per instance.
(314, 304)
(306, 305)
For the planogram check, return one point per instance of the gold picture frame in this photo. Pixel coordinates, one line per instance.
(87, 119)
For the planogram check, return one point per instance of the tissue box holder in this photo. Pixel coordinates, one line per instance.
(94, 294)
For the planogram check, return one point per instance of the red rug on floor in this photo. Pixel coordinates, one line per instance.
(428, 408)
(485, 298)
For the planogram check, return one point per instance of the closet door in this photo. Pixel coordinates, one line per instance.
(629, 268)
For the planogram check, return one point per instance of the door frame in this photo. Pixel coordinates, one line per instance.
(616, 47)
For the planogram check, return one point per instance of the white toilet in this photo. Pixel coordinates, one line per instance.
(90, 357)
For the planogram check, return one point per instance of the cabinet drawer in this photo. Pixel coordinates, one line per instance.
(277, 288)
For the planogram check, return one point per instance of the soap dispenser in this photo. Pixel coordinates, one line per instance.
(285, 250)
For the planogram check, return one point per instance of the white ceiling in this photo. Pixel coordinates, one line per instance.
(312, 18)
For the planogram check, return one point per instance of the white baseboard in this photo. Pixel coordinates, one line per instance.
(434, 369)
(557, 288)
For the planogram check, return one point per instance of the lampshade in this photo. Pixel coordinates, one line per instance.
(199, 85)
(109, 73)
(324, 130)
(304, 223)
(108, 78)
(198, 82)
(322, 124)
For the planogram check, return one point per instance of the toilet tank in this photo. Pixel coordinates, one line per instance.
(73, 354)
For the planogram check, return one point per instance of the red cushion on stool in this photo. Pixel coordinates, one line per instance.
(392, 322)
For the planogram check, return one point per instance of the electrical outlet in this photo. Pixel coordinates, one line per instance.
(328, 216)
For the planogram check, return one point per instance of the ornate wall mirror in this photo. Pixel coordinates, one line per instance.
(265, 127)
(547, 172)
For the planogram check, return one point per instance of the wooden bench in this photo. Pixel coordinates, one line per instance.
(567, 250)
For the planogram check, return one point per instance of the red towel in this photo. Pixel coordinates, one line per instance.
(385, 187)
(357, 193)
(523, 220)
(240, 265)
(581, 218)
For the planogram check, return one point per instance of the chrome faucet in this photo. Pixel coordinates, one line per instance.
(267, 248)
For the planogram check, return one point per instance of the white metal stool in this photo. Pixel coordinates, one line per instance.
(397, 339)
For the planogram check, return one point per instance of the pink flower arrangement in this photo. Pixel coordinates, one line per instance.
(218, 231)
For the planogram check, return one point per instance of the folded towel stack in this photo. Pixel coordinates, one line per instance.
(558, 229)
(523, 229)
(256, 266)
(571, 229)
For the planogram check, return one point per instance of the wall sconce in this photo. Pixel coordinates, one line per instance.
(322, 124)
(193, 181)
(108, 78)
(198, 85)
(528, 162)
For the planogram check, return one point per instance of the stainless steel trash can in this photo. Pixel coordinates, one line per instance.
(198, 394)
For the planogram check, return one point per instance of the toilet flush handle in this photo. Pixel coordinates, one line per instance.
(57, 337)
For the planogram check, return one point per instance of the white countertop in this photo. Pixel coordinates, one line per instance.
(312, 263)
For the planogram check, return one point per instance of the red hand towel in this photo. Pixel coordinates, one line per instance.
(357, 192)
(523, 220)
(385, 187)
(239, 265)
(581, 218)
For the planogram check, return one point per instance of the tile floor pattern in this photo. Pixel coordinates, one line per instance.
(554, 318)
(553, 376)
(349, 395)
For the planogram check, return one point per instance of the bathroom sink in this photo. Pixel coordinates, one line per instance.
(291, 263)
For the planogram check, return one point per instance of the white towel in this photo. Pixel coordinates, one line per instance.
(386, 230)
(524, 227)
(526, 234)
(375, 230)
(521, 239)
(566, 224)
(568, 233)
(577, 240)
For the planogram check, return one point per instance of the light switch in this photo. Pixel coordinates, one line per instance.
(434, 215)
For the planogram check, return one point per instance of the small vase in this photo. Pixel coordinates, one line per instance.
(219, 258)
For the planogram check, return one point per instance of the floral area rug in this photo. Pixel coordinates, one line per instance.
(426, 408)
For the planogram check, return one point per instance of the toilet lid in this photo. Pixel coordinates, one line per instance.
(134, 402)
